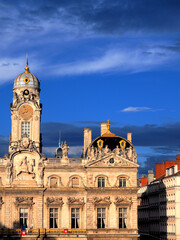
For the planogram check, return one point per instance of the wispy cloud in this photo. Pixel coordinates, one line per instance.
(117, 60)
(136, 109)
(141, 109)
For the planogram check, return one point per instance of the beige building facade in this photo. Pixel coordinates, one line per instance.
(159, 206)
(92, 197)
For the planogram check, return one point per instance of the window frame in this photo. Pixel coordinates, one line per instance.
(23, 217)
(101, 182)
(79, 213)
(26, 129)
(125, 218)
(123, 181)
(101, 217)
(58, 215)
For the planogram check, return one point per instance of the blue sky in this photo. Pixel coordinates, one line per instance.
(97, 60)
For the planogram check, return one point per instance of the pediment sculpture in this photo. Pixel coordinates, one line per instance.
(54, 201)
(119, 201)
(76, 201)
(24, 201)
(100, 201)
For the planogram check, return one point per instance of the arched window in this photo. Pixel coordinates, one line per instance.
(101, 182)
(53, 182)
(75, 182)
(122, 182)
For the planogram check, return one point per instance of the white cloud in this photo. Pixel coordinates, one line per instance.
(118, 60)
(136, 109)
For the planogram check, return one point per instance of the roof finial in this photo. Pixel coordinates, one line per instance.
(108, 125)
(26, 67)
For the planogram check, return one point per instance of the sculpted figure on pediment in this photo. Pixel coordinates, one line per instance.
(104, 201)
(92, 152)
(24, 201)
(54, 201)
(65, 149)
(106, 150)
(75, 201)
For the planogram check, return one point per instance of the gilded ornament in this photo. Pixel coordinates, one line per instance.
(122, 144)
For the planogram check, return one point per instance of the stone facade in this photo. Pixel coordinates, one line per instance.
(92, 197)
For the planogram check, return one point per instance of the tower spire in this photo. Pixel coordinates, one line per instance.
(26, 59)
(26, 67)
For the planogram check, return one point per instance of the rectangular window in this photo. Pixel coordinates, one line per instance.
(25, 129)
(122, 182)
(23, 217)
(75, 182)
(101, 182)
(122, 217)
(53, 217)
(75, 218)
(101, 217)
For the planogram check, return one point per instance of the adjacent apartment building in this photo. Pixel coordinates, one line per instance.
(90, 197)
(159, 202)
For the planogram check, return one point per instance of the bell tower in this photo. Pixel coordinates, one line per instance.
(25, 113)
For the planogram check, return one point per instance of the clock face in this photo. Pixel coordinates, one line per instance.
(26, 111)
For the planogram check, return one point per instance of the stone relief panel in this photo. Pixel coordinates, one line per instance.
(54, 201)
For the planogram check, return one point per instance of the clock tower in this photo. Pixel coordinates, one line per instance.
(25, 113)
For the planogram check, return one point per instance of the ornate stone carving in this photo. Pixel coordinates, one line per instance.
(24, 201)
(123, 201)
(97, 153)
(26, 166)
(24, 143)
(76, 201)
(54, 201)
(41, 172)
(100, 201)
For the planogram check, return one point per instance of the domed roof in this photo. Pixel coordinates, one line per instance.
(109, 140)
(26, 79)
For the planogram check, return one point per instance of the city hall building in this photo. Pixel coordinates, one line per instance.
(91, 197)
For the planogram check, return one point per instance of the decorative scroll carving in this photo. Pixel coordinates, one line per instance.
(54, 201)
(76, 201)
(120, 201)
(24, 201)
(100, 201)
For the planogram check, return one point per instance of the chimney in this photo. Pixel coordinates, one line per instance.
(129, 137)
(87, 138)
(104, 128)
(150, 176)
(178, 161)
